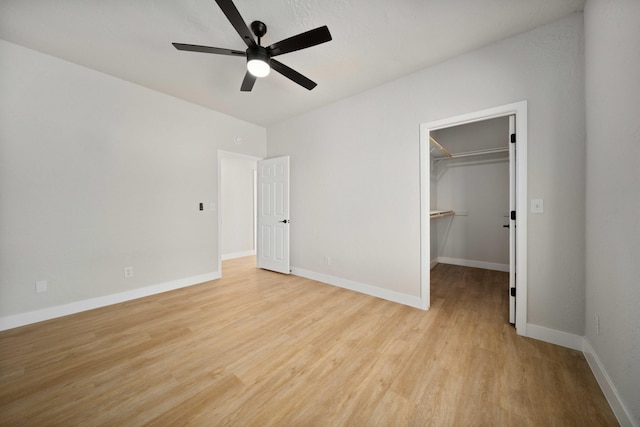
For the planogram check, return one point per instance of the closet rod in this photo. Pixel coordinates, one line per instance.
(480, 152)
(437, 144)
(476, 153)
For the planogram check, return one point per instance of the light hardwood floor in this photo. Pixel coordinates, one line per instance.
(259, 348)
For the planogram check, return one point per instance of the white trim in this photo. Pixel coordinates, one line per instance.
(522, 177)
(22, 319)
(219, 209)
(607, 386)
(475, 264)
(234, 255)
(425, 218)
(520, 110)
(576, 342)
(553, 336)
(363, 288)
(242, 156)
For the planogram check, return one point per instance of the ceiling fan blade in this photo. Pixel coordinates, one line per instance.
(232, 14)
(247, 83)
(208, 49)
(301, 41)
(293, 75)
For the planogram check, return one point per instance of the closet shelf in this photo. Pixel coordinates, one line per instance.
(448, 155)
(440, 214)
(480, 152)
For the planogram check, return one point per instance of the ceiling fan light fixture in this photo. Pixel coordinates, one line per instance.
(258, 62)
(259, 57)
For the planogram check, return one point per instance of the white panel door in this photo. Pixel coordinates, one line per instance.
(272, 251)
(512, 220)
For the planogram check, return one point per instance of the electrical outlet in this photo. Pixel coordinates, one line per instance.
(128, 272)
(327, 260)
(41, 286)
(597, 325)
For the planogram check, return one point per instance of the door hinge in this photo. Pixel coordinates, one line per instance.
(513, 137)
(513, 292)
(513, 215)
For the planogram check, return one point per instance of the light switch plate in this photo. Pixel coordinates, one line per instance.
(537, 206)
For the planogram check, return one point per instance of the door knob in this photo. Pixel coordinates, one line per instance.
(284, 221)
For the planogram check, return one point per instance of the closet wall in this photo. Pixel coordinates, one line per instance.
(476, 188)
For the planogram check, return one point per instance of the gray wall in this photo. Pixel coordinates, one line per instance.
(478, 191)
(355, 168)
(97, 174)
(612, 58)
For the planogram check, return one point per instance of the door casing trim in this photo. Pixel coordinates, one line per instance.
(519, 109)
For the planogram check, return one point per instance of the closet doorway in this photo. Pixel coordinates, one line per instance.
(473, 193)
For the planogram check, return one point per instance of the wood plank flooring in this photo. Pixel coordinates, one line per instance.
(257, 348)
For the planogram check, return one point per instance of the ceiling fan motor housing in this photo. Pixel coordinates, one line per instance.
(258, 61)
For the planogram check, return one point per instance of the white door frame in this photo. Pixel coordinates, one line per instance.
(520, 111)
(219, 198)
(513, 197)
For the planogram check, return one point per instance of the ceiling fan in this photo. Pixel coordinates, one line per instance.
(260, 59)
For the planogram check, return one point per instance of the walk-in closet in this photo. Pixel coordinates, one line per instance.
(470, 195)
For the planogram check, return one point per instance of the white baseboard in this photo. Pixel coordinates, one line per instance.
(580, 343)
(610, 391)
(22, 319)
(434, 262)
(237, 255)
(363, 288)
(553, 336)
(475, 264)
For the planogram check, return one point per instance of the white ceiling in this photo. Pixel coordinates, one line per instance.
(374, 41)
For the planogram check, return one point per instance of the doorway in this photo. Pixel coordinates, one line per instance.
(517, 187)
(237, 205)
(471, 183)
